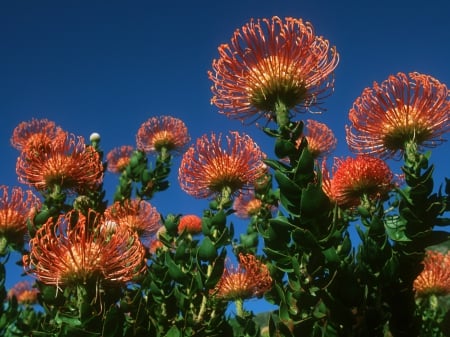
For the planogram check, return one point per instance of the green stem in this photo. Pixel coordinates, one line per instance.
(282, 114)
(239, 303)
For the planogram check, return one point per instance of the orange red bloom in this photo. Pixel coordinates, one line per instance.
(320, 138)
(118, 158)
(247, 205)
(250, 279)
(435, 277)
(79, 249)
(164, 132)
(138, 215)
(207, 168)
(190, 223)
(24, 292)
(15, 210)
(270, 62)
(68, 163)
(403, 108)
(35, 135)
(354, 178)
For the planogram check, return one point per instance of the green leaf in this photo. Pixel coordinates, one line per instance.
(173, 332)
(175, 271)
(207, 251)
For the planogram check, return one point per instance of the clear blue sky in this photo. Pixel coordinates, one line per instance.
(107, 66)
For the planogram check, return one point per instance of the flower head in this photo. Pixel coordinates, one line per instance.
(24, 292)
(118, 158)
(15, 209)
(78, 249)
(34, 136)
(67, 163)
(138, 215)
(403, 108)
(354, 178)
(164, 132)
(435, 277)
(207, 169)
(190, 223)
(250, 279)
(247, 205)
(271, 62)
(320, 138)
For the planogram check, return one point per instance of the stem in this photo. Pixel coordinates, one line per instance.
(239, 303)
(282, 114)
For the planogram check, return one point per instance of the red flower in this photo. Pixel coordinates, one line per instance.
(79, 250)
(402, 109)
(354, 178)
(250, 279)
(207, 169)
(435, 277)
(190, 223)
(68, 163)
(320, 138)
(271, 62)
(118, 158)
(138, 215)
(247, 205)
(24, 293)
(163, 133)
(15, 210)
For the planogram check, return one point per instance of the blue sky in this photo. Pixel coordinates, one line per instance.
(108, 66)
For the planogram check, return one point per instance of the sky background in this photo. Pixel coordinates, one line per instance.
(108, 66)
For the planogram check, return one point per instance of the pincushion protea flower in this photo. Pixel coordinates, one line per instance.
(403, 108)
(354, 178)
(163, 133)
(207, 169)
(247, 205)
(15, 209)
(320, 138)
(118, 158)
(272, 62)
(79, 249)
(435, 277)
(190, 223)
(250, 279)
(35, 135)
(24, 293)
(138, 215)
(68, 164)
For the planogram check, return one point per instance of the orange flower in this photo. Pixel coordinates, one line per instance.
(79, 250)
(207, 169)
(400, 110)
(250, 279)
(190, 223)
(68, 164)
(320, 138)
(34, 136)
(163, 132)
(138, 215)
(271, 62)
(246, 205)
(15, 210)
(24, 293)
(355, 177)
(118, 158)
(435, 277)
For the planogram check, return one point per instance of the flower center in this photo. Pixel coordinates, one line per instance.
(274, 80)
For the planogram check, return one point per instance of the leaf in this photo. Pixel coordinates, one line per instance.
(173, 332)
(207, 251)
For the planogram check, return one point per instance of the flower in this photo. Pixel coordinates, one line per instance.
(78, 249)
(207, 169)
(320, 138)
(68, 163)
(34, 136)
(271, 62)
(118, 158)
(163, 132)
(138, 215)
(190, 223)
(354, 178)
(24, 292)
(247, 205)
(401, 109)
(435, 277)
(250, 279)
(15, 210)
